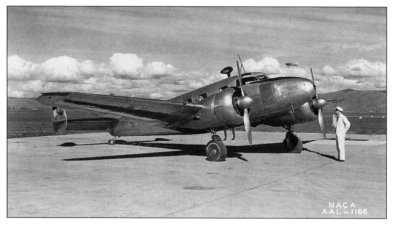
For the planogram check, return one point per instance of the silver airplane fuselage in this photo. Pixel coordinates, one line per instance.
(276, 102)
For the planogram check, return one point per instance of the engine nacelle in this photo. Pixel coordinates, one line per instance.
(226, 110)
(304, 113)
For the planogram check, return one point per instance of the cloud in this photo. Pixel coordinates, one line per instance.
(159, 68)
(126, 65)
(267, 65)
(20, 69)
(356, 74)
(60, 69)
(123, 74)
(362, 67)
(332, 83)
(272, 66)
(126, 74)
(26, 88)
(328, 70)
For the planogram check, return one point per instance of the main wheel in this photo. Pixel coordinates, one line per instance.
(216, 151)
(292, 143)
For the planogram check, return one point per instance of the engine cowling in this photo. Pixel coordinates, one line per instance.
(304, 113)
(226, 108)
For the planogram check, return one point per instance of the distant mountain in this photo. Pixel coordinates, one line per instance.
(28, 103)
(365, 109)
(357, 101)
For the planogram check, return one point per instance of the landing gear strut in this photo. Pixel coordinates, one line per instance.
(291, 142)
(215, 149)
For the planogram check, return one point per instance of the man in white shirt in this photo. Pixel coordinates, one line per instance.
(341, 125)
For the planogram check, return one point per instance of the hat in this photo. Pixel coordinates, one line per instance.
(339, 109)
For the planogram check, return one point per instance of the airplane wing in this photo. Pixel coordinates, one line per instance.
(122, 107)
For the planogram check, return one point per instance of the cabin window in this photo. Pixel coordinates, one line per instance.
(201, 97)
(248, 80)
(262, 77)
(187, 101)
(222, 88)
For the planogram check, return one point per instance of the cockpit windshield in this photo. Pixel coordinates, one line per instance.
(253, 77)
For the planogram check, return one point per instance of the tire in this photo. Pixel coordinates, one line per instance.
(216, 151)
(293, 143)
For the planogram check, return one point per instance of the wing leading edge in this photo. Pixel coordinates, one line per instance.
(123, 107)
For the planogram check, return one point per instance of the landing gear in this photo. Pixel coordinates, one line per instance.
(291, 142)
(225, 133)
(215, 149)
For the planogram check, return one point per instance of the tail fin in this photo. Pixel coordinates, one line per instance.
(59, 119)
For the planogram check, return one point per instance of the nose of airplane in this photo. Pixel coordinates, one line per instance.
(307, 86)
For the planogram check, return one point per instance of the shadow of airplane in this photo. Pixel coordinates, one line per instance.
(181, 149)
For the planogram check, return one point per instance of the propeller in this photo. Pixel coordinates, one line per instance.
(244, 102)
(319, 103)
(321, 123)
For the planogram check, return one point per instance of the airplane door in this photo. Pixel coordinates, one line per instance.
(268, 96)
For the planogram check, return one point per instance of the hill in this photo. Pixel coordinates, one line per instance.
(25, 103)
(358, 101)
(366, 111)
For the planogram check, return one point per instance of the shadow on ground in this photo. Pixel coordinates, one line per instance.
(180, 149)
(321, 154)
(349, 139)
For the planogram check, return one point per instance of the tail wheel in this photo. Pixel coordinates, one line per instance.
(216, 151)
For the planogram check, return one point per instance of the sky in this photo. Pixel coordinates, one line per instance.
(161, 52)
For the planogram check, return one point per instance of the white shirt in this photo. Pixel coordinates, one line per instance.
(341, 123)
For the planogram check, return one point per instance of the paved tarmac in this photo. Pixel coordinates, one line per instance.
(81, 175)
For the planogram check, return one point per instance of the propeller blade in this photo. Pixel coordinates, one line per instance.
(313, 81)
(242, 65)
(240, 79)
(321, 123)
(247, 101)
(248, 128)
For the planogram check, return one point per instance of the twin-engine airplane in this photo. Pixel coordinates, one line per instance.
(247, 99)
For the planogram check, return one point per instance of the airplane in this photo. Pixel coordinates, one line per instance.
(247, 99)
